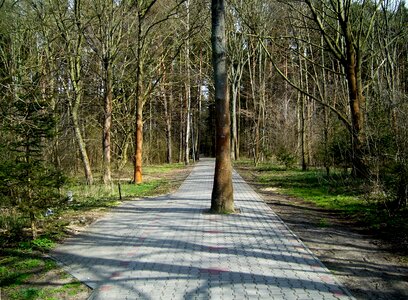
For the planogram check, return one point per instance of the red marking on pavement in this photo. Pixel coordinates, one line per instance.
(326, 279)
(212, 231)
(130, 254)
(115, 274)
(215, 248)
(338, 293)
(124, 263)
(213, 271)
(105, 288)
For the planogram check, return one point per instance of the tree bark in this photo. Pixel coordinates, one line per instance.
(75, 61)
(357, 103)
(82, 148)
(107, 124)
(188, 91)
(137, 171)
(198, 122)
(167, 116)
(222, 194)
(138, 178)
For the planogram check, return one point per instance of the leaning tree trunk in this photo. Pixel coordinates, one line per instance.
(82, 147)
(222, 194)
(75, 62)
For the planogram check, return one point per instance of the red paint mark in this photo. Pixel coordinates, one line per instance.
(213, 271)
(212, 231)
(115, 274)
(130, 254)
(338, 293)
(105, 288)
(124, 263)
(214, 248)
(326, 279)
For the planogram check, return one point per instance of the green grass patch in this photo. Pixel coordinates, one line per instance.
(30, 293)
(165, 168)
(100, 195)
(18, 267)
(339, 192)
(323, 222)
(25, 293)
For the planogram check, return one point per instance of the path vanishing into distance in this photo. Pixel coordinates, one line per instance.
(169, 247)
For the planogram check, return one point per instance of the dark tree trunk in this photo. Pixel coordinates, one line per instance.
(222, 194)
(357, 103)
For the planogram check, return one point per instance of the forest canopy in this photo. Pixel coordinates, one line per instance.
(90, 88)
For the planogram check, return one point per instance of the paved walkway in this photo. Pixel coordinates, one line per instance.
(170, 248)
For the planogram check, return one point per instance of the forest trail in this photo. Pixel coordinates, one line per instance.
(169, 247)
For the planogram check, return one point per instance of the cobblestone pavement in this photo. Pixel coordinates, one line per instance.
(170, 248)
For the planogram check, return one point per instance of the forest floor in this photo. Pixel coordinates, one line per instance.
(368, 265)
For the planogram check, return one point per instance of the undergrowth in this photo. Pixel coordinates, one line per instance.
(339, 191)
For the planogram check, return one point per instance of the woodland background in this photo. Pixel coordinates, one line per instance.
(91, 90)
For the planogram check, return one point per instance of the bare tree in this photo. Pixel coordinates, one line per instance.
(71, 28)
(222, 194)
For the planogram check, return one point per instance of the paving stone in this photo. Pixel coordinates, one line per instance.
(169, 247)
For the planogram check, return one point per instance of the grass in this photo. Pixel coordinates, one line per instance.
(339, 192)
(22, 261)
(20, 264)
(27, 293)
(107, 196)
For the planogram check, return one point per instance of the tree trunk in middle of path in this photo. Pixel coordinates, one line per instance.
(222, 194)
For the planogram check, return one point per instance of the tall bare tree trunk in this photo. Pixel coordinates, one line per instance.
(107, 124)
(198, 122)
(167, 102)
(139, 141)
(188, 91)
(357, 103)
(222, 194)
(137, 174)
(236, 85)
(75, 61)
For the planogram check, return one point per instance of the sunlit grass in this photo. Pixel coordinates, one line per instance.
(337, 192)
